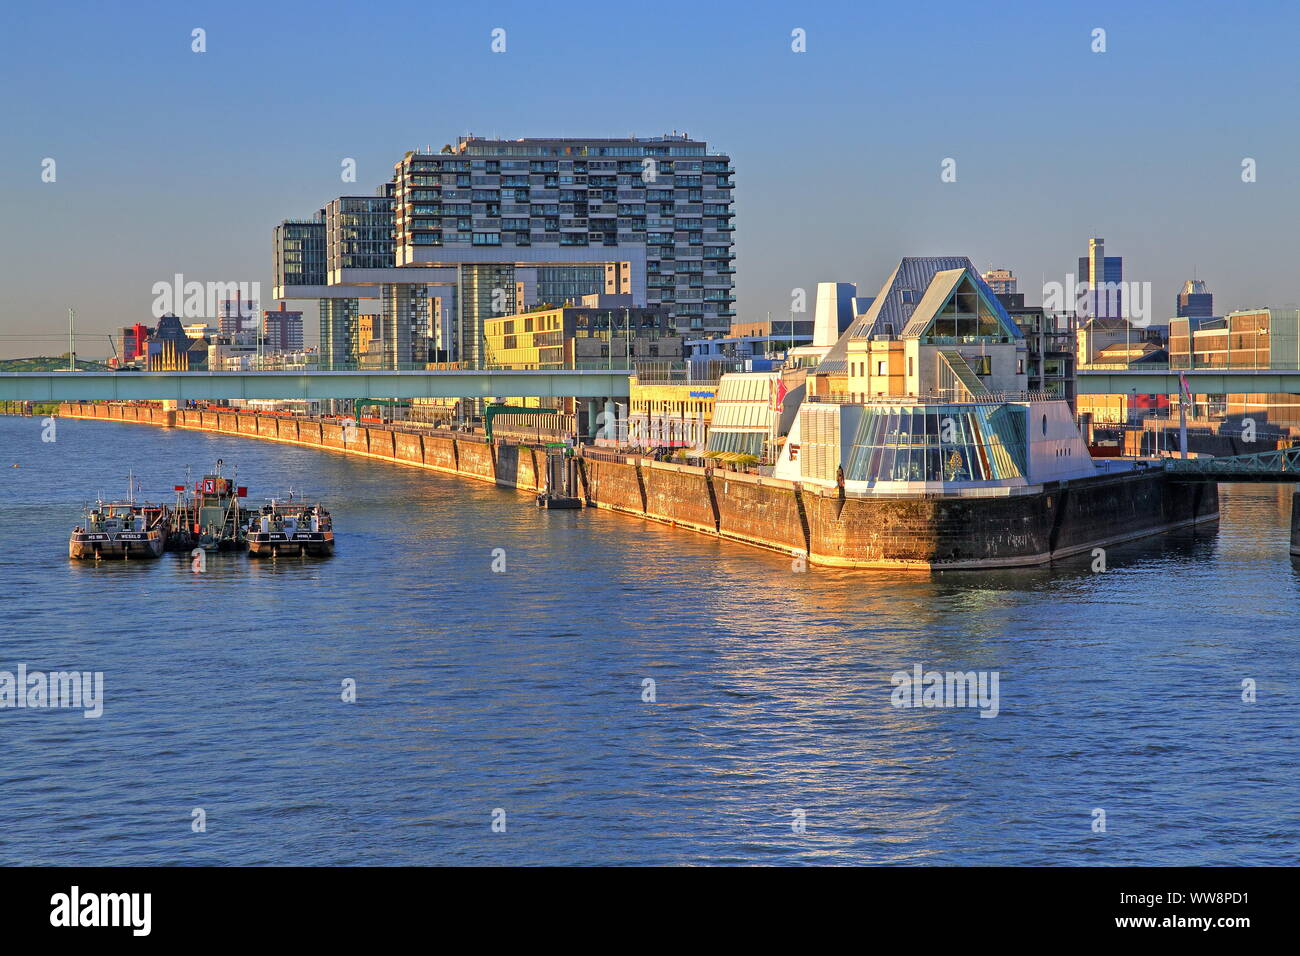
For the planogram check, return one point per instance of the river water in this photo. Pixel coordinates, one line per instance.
(518, 695)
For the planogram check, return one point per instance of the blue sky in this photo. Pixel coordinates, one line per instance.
(170, 161)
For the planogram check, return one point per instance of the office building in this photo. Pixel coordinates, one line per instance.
(1195, 301)
(1263, 339)
(768, 341)
(1246, 339)
(199, 330)
(130, 344)
(1103, 275)
(599, 331)
(232, 353)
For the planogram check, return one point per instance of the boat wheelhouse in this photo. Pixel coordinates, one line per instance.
(290, 528)
(120, 529)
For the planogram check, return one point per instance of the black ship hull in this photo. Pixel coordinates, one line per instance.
(317, 544)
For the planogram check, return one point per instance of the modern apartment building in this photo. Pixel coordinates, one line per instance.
(282, 330)
(490, 227)
(563, 213)
(1001, 281)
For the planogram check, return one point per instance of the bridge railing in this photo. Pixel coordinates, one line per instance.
(1184, 366)
(1282, 462)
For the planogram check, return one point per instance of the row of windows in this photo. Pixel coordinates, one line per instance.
(660, 184)
(505, 150)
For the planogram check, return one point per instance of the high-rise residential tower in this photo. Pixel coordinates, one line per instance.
(570, 217)
(1001, 281)
(282, 329)
(236, 315)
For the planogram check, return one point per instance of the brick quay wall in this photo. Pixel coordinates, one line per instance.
(916, 532)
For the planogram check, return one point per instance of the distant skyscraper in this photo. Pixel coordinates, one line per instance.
(1103, 274)
(1001, 281)
(282, 329)
(1196, 300)
(236, 315)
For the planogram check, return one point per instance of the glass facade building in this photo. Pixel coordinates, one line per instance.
(359, 233)
(559, 284)
(300, 251)
(486, 291)
(941, 443)
(746, 415)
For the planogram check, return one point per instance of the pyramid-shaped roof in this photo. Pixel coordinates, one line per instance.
(908, 300)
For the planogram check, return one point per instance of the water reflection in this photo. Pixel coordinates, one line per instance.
(524, 688)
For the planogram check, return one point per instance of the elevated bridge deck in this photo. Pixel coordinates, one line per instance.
(213, 386)
(1152, 379)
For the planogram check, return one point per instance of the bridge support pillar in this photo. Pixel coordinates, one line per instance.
(599, 422)
(1295, 522)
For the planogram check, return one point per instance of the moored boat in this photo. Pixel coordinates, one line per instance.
(213, 518)
(121, 530)
(290, 529)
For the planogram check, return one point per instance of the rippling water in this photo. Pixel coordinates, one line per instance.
(522, 690)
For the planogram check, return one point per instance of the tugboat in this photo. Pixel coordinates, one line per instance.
(289, 529)
(213, 518)
(122, 529)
